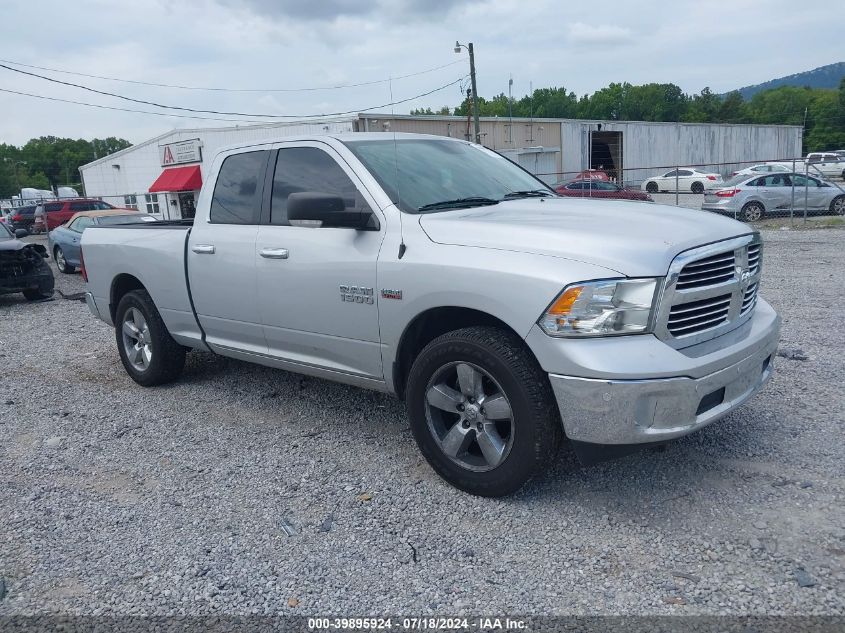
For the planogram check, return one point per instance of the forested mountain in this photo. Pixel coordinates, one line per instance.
(822, 77)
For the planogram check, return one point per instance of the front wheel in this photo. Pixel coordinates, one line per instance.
(482, 410)
(837, 205)
(148, 352)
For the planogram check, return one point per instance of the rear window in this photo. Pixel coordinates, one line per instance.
(237, 192)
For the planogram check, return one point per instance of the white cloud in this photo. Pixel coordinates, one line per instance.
(604, 34)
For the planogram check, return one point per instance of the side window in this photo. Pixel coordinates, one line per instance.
(237, 192)
(684, 172)
(51, 208)
(74, 226)
(801, 181)
(309, 169)
(671, 174)
(81, 206)
(757, 182)
(575, 185)
(814, 158)
(776, 181)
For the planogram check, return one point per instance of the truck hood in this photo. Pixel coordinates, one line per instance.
(634, 239)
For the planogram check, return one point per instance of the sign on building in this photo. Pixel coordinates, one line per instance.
(181, 152)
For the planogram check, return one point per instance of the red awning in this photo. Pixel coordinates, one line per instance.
(178, 179)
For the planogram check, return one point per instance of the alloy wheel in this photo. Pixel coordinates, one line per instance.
(137, 339)
(469, 416)
(753, 212)
(61, 262)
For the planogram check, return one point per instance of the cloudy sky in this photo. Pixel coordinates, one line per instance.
(268, 48)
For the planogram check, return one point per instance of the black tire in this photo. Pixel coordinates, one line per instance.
(651, 187)
(36, 294)
(166, 358)
(753, 212)
(535, 422)
(837, 205)
(61, 262)
(697, 187)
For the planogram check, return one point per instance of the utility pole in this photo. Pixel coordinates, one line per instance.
(469, 47)
(510, 108)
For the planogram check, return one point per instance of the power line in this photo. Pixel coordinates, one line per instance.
(207, 89)
(313, 118)
(237, 114)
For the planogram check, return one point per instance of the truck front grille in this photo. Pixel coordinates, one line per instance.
(710, 290)
(689, 318)
(707, 272)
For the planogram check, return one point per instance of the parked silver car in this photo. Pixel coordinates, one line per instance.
(751, 198)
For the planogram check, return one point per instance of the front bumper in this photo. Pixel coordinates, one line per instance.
(700, 385)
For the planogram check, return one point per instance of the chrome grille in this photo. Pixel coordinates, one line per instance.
(695, 316)
(749, 299)
(707, 272)
(709, 290)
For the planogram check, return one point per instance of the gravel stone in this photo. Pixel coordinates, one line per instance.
(177, 493)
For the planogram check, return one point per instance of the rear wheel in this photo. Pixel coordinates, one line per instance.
(482, 411)
(61, 262)
(753, 212)
(148, 352)
(837, 205)
(651, 187)
(697, 187)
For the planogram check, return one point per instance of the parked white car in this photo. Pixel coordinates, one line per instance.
(686, 179)
(818, 164)
(765, 168)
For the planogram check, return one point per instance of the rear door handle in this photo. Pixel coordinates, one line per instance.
(203, 249)
(274, 253)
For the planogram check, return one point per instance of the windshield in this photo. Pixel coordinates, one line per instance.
(417, 173)
(123, 219)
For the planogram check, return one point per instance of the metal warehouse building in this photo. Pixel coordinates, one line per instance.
(164, 174)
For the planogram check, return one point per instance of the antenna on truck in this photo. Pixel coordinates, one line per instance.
(402, 247)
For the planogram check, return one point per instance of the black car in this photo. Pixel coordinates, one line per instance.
(23, 266)
(23, 217)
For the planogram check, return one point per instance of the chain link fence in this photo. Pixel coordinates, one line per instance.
(749, 191)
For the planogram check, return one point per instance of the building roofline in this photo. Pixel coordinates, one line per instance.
(221, 128)
(451, 118)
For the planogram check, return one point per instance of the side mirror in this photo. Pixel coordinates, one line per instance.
(19, 233)
(328, 209)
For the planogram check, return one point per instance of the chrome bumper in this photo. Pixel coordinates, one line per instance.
(626, 411)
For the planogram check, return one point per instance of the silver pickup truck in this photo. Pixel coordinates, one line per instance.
(438, 271)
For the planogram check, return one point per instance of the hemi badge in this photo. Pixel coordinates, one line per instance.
(391, 294)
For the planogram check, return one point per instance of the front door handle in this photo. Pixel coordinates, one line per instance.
(203, 249)
(274, 253)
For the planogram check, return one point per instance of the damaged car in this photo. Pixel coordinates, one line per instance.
(23, 266)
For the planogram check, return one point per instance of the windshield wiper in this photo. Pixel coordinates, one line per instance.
(532, 193)
(457, 203)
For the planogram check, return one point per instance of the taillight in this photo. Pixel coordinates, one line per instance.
(82, 270)
(727, 193)
(711, 177)
(17, 218)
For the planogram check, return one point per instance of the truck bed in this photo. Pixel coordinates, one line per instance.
(149, 254)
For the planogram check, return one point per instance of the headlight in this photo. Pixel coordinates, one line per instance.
(601, 308)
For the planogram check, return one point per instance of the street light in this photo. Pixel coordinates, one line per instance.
(458, 47)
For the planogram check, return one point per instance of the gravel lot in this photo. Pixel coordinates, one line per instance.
(247, 490)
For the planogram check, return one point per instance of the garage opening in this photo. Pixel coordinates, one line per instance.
(606, 154)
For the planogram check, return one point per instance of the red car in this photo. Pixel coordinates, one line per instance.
(600, 189)
(59, 212)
